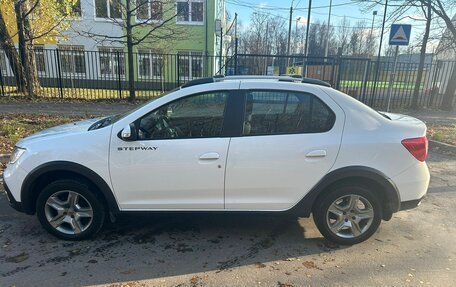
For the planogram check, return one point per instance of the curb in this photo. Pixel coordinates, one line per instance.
(442, 147)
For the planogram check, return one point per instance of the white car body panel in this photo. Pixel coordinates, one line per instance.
(62, 143)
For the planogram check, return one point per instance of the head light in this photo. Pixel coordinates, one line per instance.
(17, 153)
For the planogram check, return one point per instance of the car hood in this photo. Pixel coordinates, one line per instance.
(70, 128)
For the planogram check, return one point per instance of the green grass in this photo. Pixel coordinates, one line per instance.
(380, 85)
(86, 94)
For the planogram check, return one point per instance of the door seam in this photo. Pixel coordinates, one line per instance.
(224, 174)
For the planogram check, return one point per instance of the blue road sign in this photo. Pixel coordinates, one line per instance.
(400, 34)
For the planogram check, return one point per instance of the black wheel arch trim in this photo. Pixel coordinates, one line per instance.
(28, 204)
(393, 199)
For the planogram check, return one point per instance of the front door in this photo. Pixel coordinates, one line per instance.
(178, 161)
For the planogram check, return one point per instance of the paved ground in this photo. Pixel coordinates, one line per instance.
(415, 248)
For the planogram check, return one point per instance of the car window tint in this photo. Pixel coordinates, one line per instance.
(282, 112)
(195, 116)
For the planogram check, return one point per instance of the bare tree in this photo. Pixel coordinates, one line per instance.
(144, 22)
(23, 9)
(440, 8)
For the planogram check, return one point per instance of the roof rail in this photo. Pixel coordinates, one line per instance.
(315, 82)
(203, 81)
(285, 78)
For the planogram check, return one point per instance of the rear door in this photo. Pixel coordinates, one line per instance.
(290, 140)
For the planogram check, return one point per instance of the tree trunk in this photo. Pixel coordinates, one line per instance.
(13, 57)
(450, 92)
(26, 52)
(419, 76)
(131, 75)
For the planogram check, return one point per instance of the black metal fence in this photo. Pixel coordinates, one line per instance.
(356, 76)
(75, 73)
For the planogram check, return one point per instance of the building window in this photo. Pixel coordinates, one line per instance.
(72, 60)
(76, 9)
(190, 65)
(108, 9)
(112, 62)
(39, 59)
(190, 11)
(149, 10)
(150, 64)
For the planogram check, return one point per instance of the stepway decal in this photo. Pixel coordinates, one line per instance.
(131, 148)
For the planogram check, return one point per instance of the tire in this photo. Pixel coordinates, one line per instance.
(69, 210)
(348, 214)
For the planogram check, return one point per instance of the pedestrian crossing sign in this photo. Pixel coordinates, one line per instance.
(400, 34)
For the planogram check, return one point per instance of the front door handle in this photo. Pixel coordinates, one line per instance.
(316, 153)
(209, 156)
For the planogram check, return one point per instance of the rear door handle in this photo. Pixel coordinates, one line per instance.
(316, 153)
(209, 156)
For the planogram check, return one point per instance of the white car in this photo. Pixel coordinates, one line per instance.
(227, 144)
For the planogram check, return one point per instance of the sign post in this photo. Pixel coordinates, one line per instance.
(399, 36)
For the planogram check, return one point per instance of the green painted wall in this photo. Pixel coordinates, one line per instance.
(189, 37)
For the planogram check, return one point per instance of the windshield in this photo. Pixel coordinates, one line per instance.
(104, 122)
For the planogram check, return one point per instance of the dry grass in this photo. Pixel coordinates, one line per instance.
(442, 133)
(13, 127)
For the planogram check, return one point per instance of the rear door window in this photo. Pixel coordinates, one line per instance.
(285, 112)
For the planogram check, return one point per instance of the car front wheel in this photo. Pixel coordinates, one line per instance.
(348, 214)
(69, 210)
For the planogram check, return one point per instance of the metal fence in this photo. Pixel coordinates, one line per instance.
(356, 76)
(74, 73)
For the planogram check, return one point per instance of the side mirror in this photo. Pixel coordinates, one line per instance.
(129, 133)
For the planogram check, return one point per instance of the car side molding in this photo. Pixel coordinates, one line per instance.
(55, 167)
(391, 198)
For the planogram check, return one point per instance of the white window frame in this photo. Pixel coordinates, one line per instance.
(108, 7)
(71, 49)
(111, 52)
(149, 10)
(190, 55)
(152, 55)
(190, 21)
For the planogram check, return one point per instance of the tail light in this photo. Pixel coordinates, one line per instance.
(418, 147)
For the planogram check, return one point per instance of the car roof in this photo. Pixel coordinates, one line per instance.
(290, 79)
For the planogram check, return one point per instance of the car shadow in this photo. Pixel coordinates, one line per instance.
(150, 246)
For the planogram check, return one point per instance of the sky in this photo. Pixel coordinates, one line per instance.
(353, 10)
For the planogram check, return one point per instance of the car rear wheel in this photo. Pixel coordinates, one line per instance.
(348, 214)
(69, 210)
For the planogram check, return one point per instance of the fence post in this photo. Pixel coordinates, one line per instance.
(1, 78)
(177, 70)
(365, 80)
(59, 73)
(235, 56)
(119, 83)
(339, 71)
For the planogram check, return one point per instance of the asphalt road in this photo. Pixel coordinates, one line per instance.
(415, 248)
